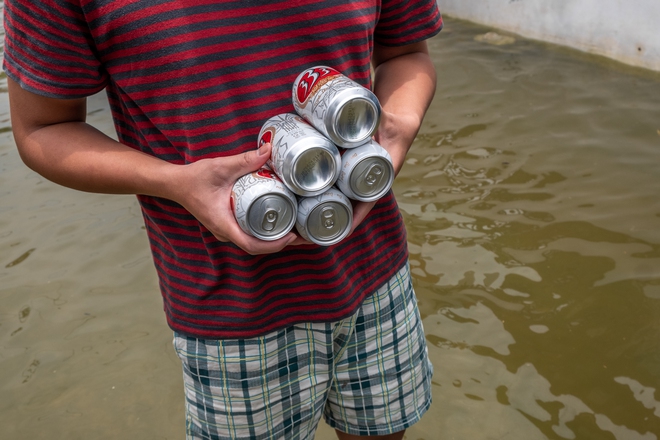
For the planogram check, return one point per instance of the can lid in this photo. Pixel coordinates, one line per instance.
(372, 177)
(356, 120)
(329, 222)
(271, 216)
(316, 169)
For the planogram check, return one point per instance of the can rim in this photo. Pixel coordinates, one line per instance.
(383, 191)
(336, 238)
(344, 97)
(289, 226)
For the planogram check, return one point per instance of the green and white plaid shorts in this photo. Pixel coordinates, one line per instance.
(368, 375)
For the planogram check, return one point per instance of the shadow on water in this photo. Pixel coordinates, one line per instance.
(533, 220)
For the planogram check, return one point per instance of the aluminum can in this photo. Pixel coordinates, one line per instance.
(325, 219)
(306, 161)
(366, 172)
(343, 110)
(263, 206)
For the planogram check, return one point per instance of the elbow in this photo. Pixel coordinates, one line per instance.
(26, 153)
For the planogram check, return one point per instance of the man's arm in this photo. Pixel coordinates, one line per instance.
(54, 140)
(404, 83)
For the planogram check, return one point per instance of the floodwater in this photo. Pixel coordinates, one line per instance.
(531, 200)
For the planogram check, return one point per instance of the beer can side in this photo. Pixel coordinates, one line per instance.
(366, 172)
(340, 108)
(306, 161)
(263, 206)
(325, 219)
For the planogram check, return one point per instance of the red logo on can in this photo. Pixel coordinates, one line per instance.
(310, 79)
(265, 172)
(267, 136)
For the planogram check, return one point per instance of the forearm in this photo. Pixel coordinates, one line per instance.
(78, 156)
(405, 86)
(53, 139)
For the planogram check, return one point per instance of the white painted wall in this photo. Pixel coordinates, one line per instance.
(625, 30)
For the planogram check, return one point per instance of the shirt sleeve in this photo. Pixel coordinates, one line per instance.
(48, 49)
(404, 22)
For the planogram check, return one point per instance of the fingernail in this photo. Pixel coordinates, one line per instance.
(262, 150)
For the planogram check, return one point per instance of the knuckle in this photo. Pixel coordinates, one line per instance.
(247, 159)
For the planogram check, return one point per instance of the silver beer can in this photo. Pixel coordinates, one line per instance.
(366, 172)
(325, 219)
(340, 108)
(263, 206)
(306, 161)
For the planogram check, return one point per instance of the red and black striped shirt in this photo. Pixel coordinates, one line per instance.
(195, 79)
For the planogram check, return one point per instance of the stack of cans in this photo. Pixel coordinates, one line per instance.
(322, 156)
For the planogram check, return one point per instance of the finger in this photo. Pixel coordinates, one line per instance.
(254, 246)
(299, 241)
(244, 163)
(360, 211)
(231, 232)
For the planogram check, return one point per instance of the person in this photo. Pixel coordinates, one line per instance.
(272, 335)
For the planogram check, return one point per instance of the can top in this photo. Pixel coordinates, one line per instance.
(356, 120)
(315, 169)
(352, 116)
(271, 216)
(371, 178)
(329, 223)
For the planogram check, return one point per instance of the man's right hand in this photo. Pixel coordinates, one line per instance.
(204, 189)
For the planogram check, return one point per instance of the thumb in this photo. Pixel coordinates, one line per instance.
(250, 161)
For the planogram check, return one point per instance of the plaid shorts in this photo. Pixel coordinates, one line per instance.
(367, 375)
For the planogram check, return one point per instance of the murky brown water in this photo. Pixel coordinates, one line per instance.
(531, 199)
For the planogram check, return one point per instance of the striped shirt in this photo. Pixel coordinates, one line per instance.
(188, 80)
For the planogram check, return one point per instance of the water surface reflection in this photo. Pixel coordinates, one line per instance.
(534, 233)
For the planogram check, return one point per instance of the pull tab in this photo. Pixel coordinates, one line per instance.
(373, 175)
(270, 219)
(329, 215)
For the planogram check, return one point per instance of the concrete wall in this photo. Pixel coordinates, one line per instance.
(627, 31)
